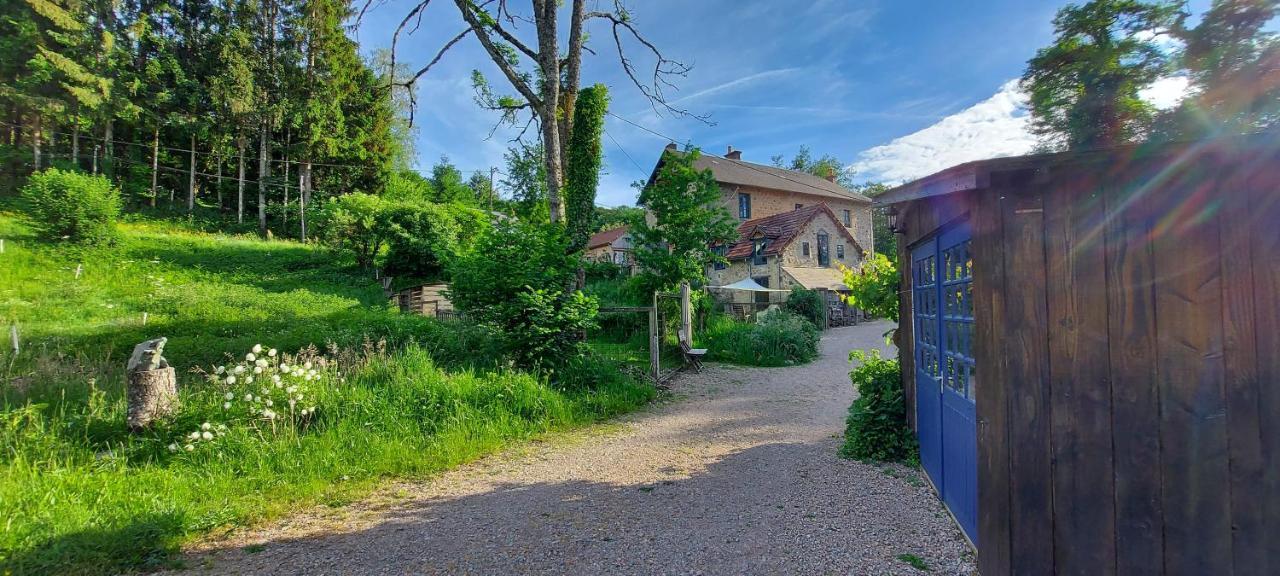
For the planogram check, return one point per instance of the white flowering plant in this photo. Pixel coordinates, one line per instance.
(264, 391)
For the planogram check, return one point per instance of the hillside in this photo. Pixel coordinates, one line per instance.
(397, 395)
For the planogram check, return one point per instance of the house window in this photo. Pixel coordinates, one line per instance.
(720, 264)
(744, 206)
(840, 251)
(761, 280)
(848, 218)
(799, 206)
(804, 248)
(757, 253)
(824, 250)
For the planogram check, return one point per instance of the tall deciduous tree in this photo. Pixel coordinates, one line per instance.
(1084, 88)
(526, 178)
(1234, 65)
(550, 89)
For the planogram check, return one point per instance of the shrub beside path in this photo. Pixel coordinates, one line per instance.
(735, 472)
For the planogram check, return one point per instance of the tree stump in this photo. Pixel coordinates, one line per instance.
(152, 394)
(153, 385)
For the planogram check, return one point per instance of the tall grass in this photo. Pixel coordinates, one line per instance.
(779, 339)
(81, 495)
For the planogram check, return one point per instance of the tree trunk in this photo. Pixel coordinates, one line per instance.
(151, 394)
(240, 141)
(304, 194)
(191, 178)
(549, 62)
(264, 171)
(35, 144)
(155, 163)
(217, 159)
(284, 212)
(75, 145)
(108, 152)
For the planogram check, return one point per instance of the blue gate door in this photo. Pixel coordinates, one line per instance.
(924, 262)
(945, 415)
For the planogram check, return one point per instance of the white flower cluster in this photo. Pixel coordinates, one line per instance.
(205, 434)
(267, 387)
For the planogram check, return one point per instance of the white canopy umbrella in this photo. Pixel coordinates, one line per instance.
(747, 285)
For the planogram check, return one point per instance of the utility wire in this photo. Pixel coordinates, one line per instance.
(624, 151)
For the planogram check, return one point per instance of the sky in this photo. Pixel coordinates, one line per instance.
(896, 89)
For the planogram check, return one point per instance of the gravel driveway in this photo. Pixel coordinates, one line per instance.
(735, 473)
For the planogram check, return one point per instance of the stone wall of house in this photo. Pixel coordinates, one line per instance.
(794, 254)
(767, 202)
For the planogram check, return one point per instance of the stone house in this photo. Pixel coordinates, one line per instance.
(803, 248)
(612, 245)
(789, 213)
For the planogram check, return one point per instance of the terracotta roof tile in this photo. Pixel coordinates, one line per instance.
(780, 230)
(604, 237)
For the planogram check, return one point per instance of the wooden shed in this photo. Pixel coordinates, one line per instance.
(1091, 354)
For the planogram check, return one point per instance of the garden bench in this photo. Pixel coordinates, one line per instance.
(693, 356)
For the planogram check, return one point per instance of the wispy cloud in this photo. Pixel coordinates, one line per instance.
(734, 84)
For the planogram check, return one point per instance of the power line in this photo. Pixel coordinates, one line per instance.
(90, 137)
(624, 151)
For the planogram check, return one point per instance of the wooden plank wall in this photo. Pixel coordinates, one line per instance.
(1129, 365)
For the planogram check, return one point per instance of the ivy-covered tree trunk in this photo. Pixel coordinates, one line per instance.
(582, 170)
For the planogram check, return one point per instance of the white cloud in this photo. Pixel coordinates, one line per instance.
(995, 127)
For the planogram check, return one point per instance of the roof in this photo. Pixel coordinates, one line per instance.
(605, 237)
(779, 230)
(817, 278)
(977, 175)
(729, 171)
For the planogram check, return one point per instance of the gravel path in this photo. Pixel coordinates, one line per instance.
(735, 473)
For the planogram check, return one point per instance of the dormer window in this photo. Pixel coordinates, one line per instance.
(757, 253)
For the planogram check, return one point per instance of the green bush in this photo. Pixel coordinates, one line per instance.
(515, 281)
(877, 425)
(807, 304)
(779, 338)
(71, 205)
(355, 222)
(423, 237)
(874, 287)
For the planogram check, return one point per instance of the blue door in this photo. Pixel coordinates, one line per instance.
(942, 284)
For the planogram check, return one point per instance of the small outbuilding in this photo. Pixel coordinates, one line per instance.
(1090, 346)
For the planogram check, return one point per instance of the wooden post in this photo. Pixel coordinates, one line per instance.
(13, 338)
(653, 338)
(96, 148)
(686, 312)
(144, 318)
(191, 177)
(1, 245)
(79, 268)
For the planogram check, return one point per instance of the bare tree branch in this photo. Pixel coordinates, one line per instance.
(496, 54)
(663, 69)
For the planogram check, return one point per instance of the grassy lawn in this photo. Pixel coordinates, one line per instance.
(410, 396)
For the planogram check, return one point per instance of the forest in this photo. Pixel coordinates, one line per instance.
(254, 107)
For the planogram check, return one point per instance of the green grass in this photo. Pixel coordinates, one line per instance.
(80, 495)
(915, 561)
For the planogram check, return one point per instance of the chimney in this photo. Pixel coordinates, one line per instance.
(831, 174)
(671, 146)
(733, 154)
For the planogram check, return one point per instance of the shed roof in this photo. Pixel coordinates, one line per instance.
(978, 175)
(779, 230)
(606, 237)
(817, 278)
(739, 172)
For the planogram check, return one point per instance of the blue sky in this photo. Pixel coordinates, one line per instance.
(895, 89)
